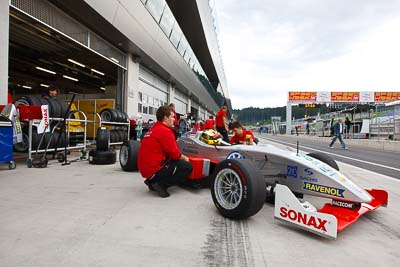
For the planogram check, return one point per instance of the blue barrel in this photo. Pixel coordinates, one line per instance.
(6, 141)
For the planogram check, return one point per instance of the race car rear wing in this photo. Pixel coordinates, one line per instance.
(330, 219)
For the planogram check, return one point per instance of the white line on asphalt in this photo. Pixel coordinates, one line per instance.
(372, 172)
(340, 156)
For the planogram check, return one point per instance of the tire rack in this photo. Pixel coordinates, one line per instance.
(29, 160)
(100, 122)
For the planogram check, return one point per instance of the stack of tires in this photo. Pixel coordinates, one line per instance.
(57, 109)
(113, 115)
(120, 133)
(103, 154)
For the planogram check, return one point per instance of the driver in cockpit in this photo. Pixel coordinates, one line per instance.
(211, 137)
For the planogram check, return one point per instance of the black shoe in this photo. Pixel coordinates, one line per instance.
(148, 183)
(161, 190)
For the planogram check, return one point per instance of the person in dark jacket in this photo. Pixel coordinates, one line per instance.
(338, 132)
(159, 160)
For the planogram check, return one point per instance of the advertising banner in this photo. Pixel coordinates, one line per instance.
(323, 97)
(345, 96)
(386, 96)
(366, 97)
(302, 96)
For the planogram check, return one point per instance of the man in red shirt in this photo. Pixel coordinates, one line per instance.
(210, 123)
(241, 135)
(160, 161)
(220, 122)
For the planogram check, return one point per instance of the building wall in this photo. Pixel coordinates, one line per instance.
(131, 18)
(4, 26)
(212, 41)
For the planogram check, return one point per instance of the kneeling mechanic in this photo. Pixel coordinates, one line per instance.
(160, 161)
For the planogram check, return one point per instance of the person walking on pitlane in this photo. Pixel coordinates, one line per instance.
(159, 160)
(338, 134)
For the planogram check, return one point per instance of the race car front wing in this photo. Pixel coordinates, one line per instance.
(330, 219)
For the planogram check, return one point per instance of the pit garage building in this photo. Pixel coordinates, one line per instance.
(141, 53)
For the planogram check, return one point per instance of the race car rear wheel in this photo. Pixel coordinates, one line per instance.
(238, 191)
(324, 158)
(128, 156)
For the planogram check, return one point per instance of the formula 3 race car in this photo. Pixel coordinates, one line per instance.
(244, 177)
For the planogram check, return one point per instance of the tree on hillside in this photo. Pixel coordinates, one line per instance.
(253, 115)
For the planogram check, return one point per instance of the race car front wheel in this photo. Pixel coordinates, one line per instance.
(238, 190)
(128, 156)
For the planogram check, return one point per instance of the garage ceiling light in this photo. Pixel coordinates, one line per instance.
(27, 87)
(70, 78)
(77, 63)
(46, 70)
(44, 85)
(114, 59)
(96, 71)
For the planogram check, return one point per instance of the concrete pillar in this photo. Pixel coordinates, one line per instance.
(132, 85)
(189, 106)
(4, 37)
(171, 95)
(199, 116)
(288, 117)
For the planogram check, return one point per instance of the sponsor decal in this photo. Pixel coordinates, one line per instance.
(343, 204)
(309, 179)
(342, 179)
(308, 171)
(308, 175)
(323, 189)
(308, 158)
(316, 163)
(302, 218)
(292, 171)
(235, 155)
(325, 169)
(44, 123)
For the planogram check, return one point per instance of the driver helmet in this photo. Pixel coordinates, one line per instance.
(211, 137)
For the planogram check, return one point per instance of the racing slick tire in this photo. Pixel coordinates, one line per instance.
(238, 191)
(128, 156)
(102, 157)
(103, 139)
(324, 158)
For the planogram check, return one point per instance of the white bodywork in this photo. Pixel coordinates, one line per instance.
(301, 173)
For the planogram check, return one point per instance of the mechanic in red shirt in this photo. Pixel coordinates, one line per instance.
(241, 135)
(210, 123)
(159, 160)
(220, 122)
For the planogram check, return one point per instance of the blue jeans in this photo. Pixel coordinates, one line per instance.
(340, 137)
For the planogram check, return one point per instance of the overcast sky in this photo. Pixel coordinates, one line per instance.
(271, 47)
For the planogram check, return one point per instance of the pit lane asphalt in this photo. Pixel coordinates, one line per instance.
(86, 215)
(380, 161)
